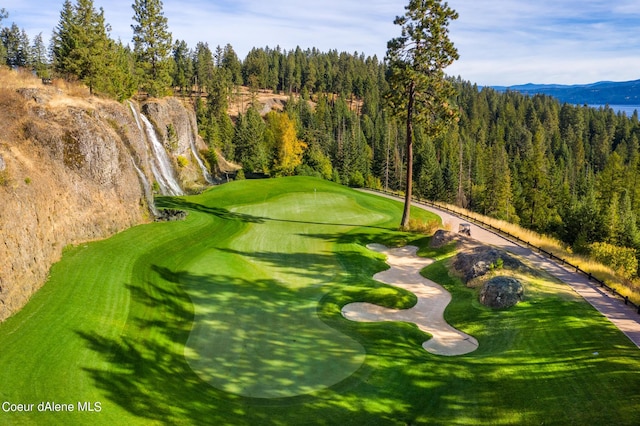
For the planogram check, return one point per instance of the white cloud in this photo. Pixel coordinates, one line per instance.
(626, 7)
(333, 24)
(499, 41)
(518, 41)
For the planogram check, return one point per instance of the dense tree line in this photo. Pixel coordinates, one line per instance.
(570, 171)
(17, 50)
(82, 49)
(565, 170)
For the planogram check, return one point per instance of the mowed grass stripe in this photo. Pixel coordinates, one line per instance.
(117, 332)
(271, 342)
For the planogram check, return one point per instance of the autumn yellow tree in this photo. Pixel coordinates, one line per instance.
(284, 145)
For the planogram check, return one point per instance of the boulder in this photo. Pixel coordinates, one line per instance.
(38, 95)
(442, 238)
(501, 292)
(171, 215)
(477, 261)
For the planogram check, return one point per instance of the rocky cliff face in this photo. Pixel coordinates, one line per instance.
(78, 168)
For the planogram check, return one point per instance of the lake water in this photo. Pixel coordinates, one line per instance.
(627, 109)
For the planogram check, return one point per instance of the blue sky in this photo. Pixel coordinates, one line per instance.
(501, 42)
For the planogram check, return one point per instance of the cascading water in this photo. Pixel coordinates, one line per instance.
(135, 115)
(205, 173)
(147, 188)
(161, 164)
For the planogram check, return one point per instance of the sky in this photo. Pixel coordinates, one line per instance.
(500, 42)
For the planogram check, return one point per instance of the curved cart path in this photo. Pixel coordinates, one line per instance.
(622, 316)
(427, 314)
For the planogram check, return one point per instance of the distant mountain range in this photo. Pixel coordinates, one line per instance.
(601, 93)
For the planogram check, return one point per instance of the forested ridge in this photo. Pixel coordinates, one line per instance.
(564, 170)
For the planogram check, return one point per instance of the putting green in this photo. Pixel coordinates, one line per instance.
(256, 332)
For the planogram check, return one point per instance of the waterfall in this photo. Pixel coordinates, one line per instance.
(161, 164)
(205, 173)
(135, 115)
(147, 188)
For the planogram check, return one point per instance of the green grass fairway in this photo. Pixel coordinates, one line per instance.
(232, 317)
(256, 331)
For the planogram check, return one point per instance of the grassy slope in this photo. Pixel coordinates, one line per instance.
(113, 321)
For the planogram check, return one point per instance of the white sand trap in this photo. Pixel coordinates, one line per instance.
(427, 314)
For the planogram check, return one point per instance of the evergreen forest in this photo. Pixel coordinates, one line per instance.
(565, 170)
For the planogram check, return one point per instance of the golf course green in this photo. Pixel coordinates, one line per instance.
(233, 317)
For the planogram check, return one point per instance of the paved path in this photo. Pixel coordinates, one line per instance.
(613, 308)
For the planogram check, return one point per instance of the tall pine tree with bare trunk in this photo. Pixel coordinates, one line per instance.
(152, 44)
(419, 91)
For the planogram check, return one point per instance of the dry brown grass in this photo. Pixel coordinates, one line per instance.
(24, 79)
(241, 100)
(623, 286)
(426, 227)
(70, 88)
(15, 79)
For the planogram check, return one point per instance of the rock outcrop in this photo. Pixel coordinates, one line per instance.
(478, 261)
(501, 292)
(75, 168)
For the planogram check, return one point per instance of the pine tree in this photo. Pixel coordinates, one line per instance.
(152, 46)
(536, 206)
(39, 57)
(119, 80)
(63, 42)
(627, 233)
(93, 43)
(250, 148)
(3, 50)
(255, 69)
(204, 68)
(231, 63)
(498, 195)
(419, 91)
(81, 44)
(183, 67)
(16, 45)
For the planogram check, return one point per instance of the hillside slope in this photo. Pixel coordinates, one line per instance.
(601, 93)
(75, 168)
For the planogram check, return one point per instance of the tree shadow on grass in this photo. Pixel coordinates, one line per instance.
(510, 380)
(181, 204)
(146, 373)
(222, 213)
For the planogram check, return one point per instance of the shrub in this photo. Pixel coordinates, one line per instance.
(172, 137)
(621, 259)
(373, 182)
(182, 161)
(356, 180)
(211, 158)
(423, 227)
(336, 177)
(498, 264)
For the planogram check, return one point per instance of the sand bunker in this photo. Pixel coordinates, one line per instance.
(427, 314)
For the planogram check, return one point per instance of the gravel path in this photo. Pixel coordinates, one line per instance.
(621, 315)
